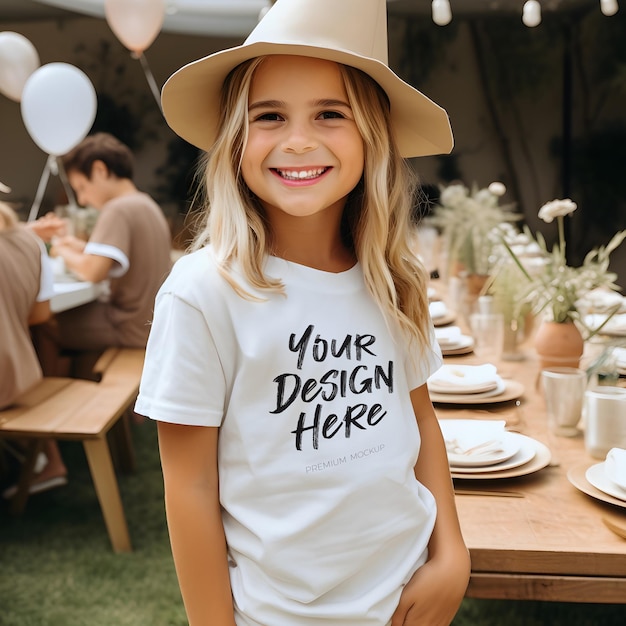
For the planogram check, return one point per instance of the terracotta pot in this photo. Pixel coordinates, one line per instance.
(558, 344)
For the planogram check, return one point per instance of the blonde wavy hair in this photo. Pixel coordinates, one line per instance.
(376, 223)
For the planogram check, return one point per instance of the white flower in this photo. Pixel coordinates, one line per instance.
(533, 249)
(497, 188)
(453, 194)
(485, 197)
(556, 208)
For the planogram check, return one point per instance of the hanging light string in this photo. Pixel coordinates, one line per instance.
(531, 11)
(609, 7)
(442, 13)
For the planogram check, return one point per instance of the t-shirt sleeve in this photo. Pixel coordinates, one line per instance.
(183, 380)
(420, 369)
(111, 238)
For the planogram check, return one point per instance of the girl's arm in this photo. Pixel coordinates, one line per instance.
(435, 591)
(189, 461)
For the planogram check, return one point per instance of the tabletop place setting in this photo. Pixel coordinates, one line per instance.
(452, 341)
(485, 450)
(604, 480)
(440, 314)
(472, 384)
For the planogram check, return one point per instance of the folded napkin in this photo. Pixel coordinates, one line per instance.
(447, 335)
(464, 379)
(616, 325)
(437, 309)
(602, 300)
(620, 357)
(473, 437)
(615, 466)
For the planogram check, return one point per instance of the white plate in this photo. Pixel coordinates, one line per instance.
(463, 341)
(576, 476)
(598, 478)
(444, 320)
(541, 457)
(510, 447)
(512, 391)
(525, 452)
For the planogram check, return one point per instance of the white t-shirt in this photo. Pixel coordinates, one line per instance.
(323, 516)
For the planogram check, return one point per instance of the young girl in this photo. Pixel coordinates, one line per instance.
(289, 353)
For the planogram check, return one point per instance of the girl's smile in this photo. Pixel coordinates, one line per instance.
(304, 152)
(303, 176)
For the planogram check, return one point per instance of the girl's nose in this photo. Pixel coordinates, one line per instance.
(299, 139)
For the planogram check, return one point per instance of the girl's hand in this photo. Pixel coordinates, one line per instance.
(433, 595)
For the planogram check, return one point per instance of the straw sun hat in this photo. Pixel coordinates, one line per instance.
(352, 32)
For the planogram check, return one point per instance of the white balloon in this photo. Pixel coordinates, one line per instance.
(136, 23)
(18, 60)
(58, 106)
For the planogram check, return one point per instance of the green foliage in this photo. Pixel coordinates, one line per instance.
(520, 61)
(557, 288)
(129, 113)
(58, 568)
(469, 220)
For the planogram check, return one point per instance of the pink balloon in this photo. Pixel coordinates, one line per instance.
(136, 23)
(18, 60)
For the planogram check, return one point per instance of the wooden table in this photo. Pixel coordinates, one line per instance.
(549, 544)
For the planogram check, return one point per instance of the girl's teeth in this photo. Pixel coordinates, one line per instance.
(303, 175)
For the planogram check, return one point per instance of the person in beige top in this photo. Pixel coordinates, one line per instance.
(26, 286)
(129, 246)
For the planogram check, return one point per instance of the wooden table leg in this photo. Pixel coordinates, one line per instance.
(105, 482)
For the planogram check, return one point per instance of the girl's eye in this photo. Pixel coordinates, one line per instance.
(269, 117)
(331, 115)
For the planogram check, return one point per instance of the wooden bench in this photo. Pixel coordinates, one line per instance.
(81, 410)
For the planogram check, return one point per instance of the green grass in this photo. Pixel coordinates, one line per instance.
(57, 567)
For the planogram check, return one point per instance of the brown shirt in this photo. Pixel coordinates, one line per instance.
(135, 226)
(20, 275)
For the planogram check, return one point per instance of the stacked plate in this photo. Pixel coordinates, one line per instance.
(471, 384)
(452, 342)
(440, 314)
(483, 449)
(604, 481)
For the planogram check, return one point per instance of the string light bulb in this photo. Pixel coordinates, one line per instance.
(531, 13)
(442, 13)
(609, 7)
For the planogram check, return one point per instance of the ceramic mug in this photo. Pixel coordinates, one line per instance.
(564, 393)
(605, 420)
